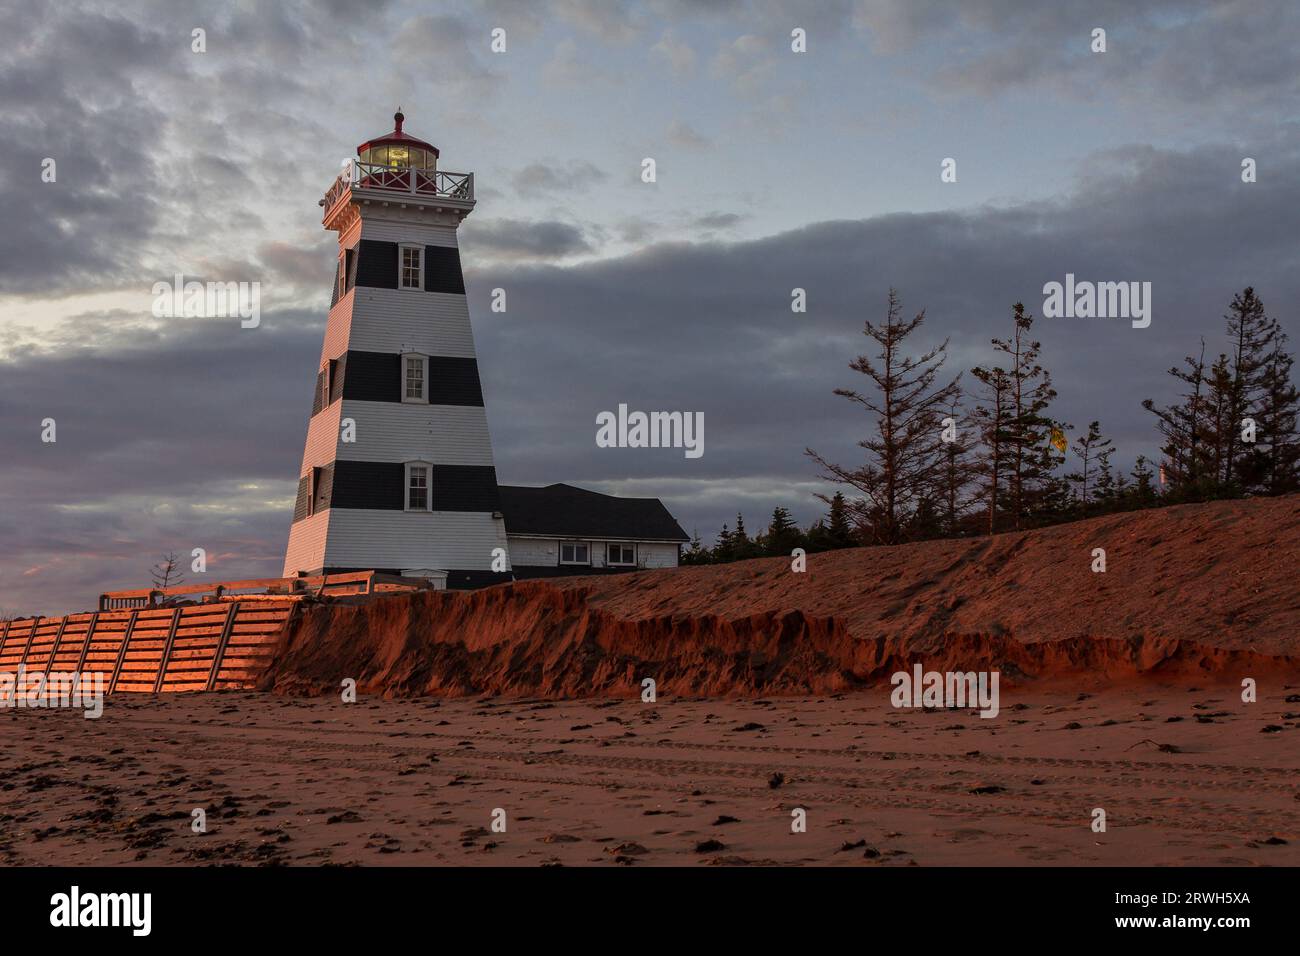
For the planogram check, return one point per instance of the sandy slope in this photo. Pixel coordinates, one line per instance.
(1200, 591)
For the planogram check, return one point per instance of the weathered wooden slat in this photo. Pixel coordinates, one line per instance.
(30, 637)
(121, 651)
(54, 649)
(222, 642)
(85, 647)
(167, 650)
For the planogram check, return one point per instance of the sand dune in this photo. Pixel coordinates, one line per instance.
(1198, 591)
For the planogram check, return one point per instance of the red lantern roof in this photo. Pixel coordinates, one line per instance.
(398, 138)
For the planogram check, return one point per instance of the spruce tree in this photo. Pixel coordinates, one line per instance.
(783, 535)
(741, 545)
(839, 531)
(1029, 463)
(955, 473)
(994, 416)
(1089, 447)
(904, 451)
(723, 550)
(1182, 428)
(1143, 491)
(1252, 334)
(1278, 462)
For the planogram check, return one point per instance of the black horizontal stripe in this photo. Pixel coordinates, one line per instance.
(442, 270)
(382, 485)
(378, 264)
(377, 377)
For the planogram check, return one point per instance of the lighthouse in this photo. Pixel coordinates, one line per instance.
(397, 474)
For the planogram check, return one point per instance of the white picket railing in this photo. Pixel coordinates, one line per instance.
(420, 182)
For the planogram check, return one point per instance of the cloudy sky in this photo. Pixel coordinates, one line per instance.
(775, 170)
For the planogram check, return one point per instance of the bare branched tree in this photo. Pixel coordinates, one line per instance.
(167, 572)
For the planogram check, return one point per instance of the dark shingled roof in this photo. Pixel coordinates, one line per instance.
(568, 512)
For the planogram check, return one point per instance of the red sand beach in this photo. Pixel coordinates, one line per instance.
(1120, 691)
(682, 782)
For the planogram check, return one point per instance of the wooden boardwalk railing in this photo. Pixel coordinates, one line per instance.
(322, 585)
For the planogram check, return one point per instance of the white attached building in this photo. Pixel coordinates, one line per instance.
(562, 530)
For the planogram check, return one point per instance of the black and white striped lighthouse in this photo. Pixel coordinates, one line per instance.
(398, 473)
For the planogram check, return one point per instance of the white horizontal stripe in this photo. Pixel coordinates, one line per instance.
(440, 540)
(405, 320)
(397, 431)
(306, 551)
(393, 230)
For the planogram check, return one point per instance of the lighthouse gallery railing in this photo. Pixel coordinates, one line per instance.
(421, 182)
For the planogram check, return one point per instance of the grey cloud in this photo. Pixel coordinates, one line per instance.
(681, 133)
(719, 220)
(1189, 52)
(543, 178)
(192, 434)
(521, 239)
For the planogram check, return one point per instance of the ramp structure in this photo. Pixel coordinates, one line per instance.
(143, 641)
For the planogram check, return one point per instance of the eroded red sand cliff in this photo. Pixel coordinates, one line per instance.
(1202, 591)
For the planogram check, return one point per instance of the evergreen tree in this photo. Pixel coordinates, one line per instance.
(904, 453)
(1220, 429)
(839, 532)
(1252, 334)
(1278, 463)
(1143, 492)
(955, 475)
(994, 417)
(741, 545)
(1090, 449)
(696, 553)
(1029, 460)
(1182, 427)
(724, 549)
(783, 535)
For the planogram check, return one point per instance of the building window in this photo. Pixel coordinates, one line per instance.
(412, 267)
(575, 552)
(418, 474)
(313, 490)
(415, 377)
(328, 379)
(622, 555)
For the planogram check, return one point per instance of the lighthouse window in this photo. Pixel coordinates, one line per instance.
(412, 267)
(415, 378)
(417, 486)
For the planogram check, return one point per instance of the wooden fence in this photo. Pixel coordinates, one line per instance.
(221, 645)
(349, 584)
